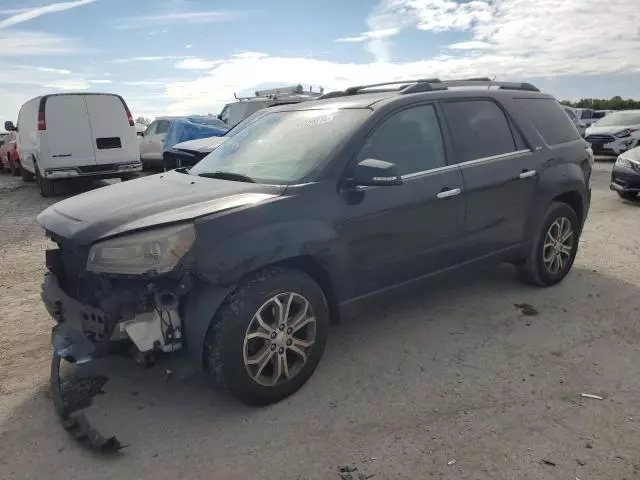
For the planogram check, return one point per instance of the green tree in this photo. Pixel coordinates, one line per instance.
(614, 103)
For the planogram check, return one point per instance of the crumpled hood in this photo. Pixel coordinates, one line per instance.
(201, 145)
(612, 130)
(150, 201)
(633, 154)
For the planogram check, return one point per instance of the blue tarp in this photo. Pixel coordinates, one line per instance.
(192, 128)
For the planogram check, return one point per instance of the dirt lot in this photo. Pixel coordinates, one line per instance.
(453, 383)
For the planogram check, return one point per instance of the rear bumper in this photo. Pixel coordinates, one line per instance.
(94, 171)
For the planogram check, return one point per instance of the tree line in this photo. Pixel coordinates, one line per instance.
(615, 103)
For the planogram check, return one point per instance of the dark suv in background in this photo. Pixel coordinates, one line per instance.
(245, 259)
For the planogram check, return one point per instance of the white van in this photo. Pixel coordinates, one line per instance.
(76, 135)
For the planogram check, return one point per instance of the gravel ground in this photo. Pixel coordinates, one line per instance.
(454, 382)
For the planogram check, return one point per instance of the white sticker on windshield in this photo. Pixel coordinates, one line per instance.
(315, 121)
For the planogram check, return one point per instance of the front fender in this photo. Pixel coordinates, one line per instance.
(226, 261)
(202, 303)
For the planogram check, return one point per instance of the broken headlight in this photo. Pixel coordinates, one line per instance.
(154, 251)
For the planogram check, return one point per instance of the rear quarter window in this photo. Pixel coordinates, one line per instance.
(549, 119)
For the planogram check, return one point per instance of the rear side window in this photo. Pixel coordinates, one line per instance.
(586, 114)
(549, 119)
(479, 129)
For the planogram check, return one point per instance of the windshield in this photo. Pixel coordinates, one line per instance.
(620, 119)
(283, 147)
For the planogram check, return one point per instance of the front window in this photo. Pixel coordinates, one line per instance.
(620, 119)
(283, 147)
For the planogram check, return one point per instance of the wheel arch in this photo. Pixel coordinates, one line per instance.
(204, 301)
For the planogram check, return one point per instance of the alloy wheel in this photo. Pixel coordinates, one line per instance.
(558, 245)
(279, 339)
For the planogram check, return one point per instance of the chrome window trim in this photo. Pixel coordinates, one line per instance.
(444, 168)
(494, 157)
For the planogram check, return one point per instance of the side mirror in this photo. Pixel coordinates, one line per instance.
(371, 173)
(9, 126)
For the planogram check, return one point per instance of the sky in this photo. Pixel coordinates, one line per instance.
(175, 57)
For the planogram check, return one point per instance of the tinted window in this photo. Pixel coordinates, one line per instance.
(151, 129)
(586, 114)
(163, 126)
(549, 119)
(411, 139)
(479, 129)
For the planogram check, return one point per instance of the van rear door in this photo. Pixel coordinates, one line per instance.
(114, 139)
(67, 138)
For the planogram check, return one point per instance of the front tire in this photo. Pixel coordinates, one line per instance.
(554, 249)
(267, 339)
(46, 186)
(26, 176)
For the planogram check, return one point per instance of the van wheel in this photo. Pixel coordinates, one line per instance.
(554, 249)
(26, 176)
(46, 186)
(268, 337)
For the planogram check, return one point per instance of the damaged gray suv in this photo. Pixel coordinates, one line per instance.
(245, 259)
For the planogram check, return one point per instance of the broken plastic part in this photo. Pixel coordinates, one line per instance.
(69, 397)
(71, 344)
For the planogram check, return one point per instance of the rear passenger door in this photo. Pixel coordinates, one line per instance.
(499, 171)
(397, 233)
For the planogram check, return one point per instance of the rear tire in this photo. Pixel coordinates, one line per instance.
(253, 336)
(551, 259)
(126, 178)
(15, 171)
(26, 176)
(46, 186)
(627, 195)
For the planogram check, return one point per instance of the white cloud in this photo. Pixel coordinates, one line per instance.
(148, 59)
(188, 46)
(176, 17)
(19, 43)
(197, 64)
(30, 13)
(77, 84)
(370, 35)
(100, 81)
(360, 38)
(471, 45)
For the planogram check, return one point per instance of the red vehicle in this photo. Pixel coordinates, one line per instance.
(9, 160)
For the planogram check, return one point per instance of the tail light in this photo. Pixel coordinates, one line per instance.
(42, 122)
(129, 116)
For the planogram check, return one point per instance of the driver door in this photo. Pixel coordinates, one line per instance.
(394, 234)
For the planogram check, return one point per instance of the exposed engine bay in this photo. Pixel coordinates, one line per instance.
(94, 313)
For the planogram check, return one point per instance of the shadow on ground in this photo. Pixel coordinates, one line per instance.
(455, 372)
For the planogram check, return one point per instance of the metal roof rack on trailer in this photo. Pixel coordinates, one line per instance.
(430, 85)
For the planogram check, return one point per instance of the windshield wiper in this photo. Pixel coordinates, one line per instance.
(235, 177)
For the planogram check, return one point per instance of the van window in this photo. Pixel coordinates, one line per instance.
(479, 129)
(549, 119)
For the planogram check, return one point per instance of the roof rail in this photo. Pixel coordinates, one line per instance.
(475, 82)
(354, 90)
(431, 84)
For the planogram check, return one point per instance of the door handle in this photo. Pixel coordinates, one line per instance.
(452, 192)
(527, 174)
